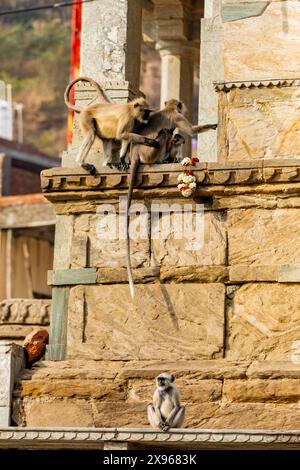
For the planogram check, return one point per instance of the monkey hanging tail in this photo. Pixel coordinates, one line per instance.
(100, 93)
(133, 171)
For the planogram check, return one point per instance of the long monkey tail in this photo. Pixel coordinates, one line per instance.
(133, 172)
(99, 92)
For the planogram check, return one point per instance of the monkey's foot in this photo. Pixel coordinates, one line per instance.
(165, 428)
(151, 143)
(123, 166)
(90, 168)
(161, 425)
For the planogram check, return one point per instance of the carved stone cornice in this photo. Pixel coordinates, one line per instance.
(279, 83)
(212, 178)
(94, 438)
(25, 311)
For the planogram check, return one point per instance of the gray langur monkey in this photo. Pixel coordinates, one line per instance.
(108, 121)
(166, 411)
(160, 126)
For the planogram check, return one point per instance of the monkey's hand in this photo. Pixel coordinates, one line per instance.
(151, 143)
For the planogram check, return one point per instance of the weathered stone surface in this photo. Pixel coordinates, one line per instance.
(252, 129)
(274, 37)
(192, 391)
(169, 251)
(83, 413)
(194, 274)
(71, 388)
(263, 237)
(120, 275)
(289, 273)
(79, 250)
(285, 390)
(246, 273)
(83, 369)
(70, 370)
(274, 369)
(63, 241)
(109, 251)
(109, 414)
(35, 345)
(263, 322)
(168, 323)
(243, 416)
(206, 369)
(45, 412)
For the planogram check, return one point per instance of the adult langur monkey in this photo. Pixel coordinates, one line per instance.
(109, 121)
(166, 411)
(160, 125)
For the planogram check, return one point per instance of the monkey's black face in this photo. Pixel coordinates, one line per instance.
(146, 114)
(163, 383)
(178, 139)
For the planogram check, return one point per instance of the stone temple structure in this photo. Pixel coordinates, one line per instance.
(224, 317)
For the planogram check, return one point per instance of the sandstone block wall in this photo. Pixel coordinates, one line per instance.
(223, 318)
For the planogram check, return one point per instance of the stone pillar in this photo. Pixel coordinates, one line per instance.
(111, 40)
(110, 54)
(211, 70)
(177, 75)
(11, 362)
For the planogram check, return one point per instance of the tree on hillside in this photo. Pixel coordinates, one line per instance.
(34, 57)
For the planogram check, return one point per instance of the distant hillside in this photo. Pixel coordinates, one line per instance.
(34, 57)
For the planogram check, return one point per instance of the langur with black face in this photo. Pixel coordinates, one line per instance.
(166, 411)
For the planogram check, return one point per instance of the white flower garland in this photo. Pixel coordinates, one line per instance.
(187, 181)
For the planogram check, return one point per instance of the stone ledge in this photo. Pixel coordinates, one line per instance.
(240, 274)
(258, 172)
(95, 438)
(80, 276)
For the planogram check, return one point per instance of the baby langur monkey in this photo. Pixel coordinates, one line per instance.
(174, 149)
(109, 121)
(166, 411)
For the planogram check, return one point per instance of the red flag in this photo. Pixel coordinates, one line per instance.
(75, 57)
